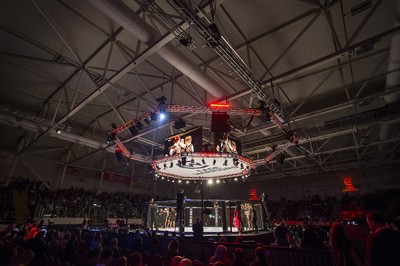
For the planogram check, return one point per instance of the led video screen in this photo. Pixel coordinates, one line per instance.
(185, 142)
(226, 143)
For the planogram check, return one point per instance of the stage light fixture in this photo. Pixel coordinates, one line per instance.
(118, 155)
(147, 121)
(161, 100)
(179, 181)
(139, 125)
(236, 179)
(58, 131)
(153, 116)
(281, 159)
(162, 115)
(173, 181)
(217, 181)
(187, 181)
(210, 181)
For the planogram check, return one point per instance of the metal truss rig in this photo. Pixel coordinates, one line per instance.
(206, 110)
(196, 109)
(209, 32)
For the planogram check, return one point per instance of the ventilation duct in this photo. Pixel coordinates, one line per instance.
(392, 80)
(127, 18)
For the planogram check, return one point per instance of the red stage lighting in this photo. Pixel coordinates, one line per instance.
(220, 105)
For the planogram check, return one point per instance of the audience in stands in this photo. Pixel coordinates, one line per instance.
(27, 244)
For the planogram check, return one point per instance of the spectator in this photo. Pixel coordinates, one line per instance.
(238, 258)
(343, 251)
(281, 234)
(172, 251)
(220, 255)
(106, 257)
(383, 244)
(121, 261)
(197, 229)
(261, 259)
(175, 261)
(135, 259)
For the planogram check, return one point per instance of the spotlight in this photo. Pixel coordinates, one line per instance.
(173, 181)
(187, 181)
(58, 131)
(226, 162)
(139, 125)
(110, 138)
(180, 181)
(156, 175)
(161, 100)
(153, 116)
(171, 165)
(210, 181)
(236, 179)
(147, 121)
(214, 162)
(162, 116)
(218, 181)
(203, 161)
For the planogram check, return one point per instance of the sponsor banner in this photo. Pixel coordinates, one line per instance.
(117, 178)
(82, 172)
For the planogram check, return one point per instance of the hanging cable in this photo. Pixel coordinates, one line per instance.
(350, 63)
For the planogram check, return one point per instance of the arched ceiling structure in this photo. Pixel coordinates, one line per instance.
(331, 66)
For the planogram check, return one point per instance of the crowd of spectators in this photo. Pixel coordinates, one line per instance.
(34, 246)
(78, 202)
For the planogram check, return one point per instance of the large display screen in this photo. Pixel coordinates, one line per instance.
(226, 143)
(185, 142)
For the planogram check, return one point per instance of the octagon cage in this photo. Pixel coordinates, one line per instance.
(217, 215)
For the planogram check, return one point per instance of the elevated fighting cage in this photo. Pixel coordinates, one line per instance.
(217, 215)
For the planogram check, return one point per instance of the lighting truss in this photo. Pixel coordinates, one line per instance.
(205, 29)
(164, 19)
